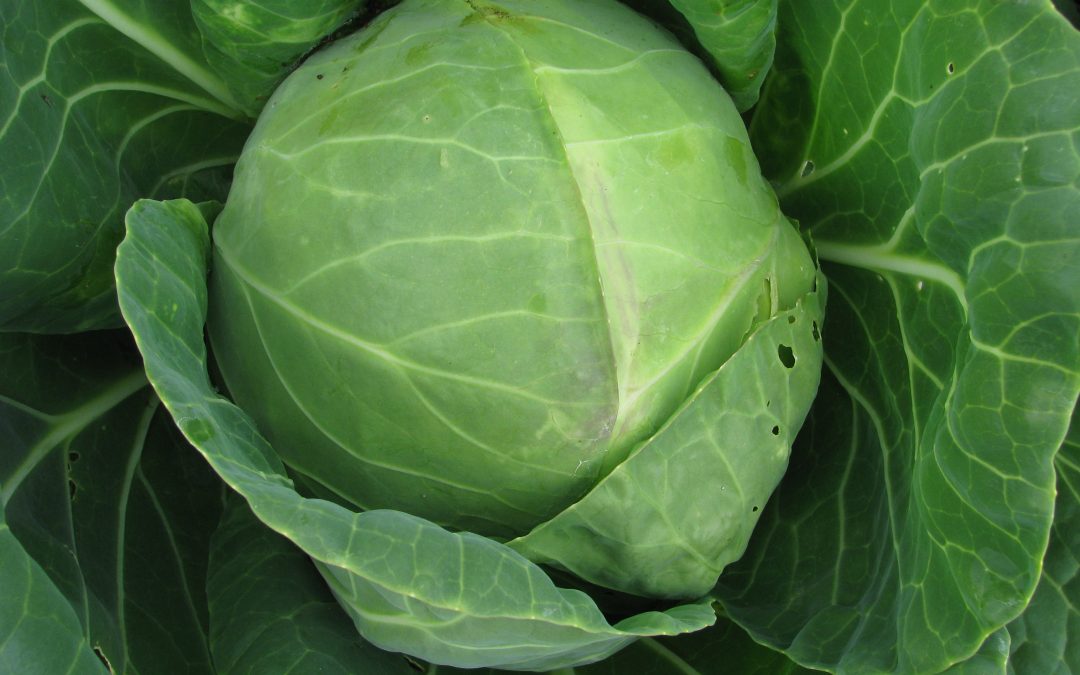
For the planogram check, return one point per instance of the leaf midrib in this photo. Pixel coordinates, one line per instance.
(157, 45)
(71, 423)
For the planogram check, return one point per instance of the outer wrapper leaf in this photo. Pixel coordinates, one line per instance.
(728, 446)
(1046, 637)
(37, 614)
(410, 586)
(740, 36)
(271, 612)
(99, 105)
(737, 38)
(109, 516)
(253, 44)
(991, 657)
(932, 153)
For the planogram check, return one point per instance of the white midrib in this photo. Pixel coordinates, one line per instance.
(883, 259)
(166, 51)
(70, 424)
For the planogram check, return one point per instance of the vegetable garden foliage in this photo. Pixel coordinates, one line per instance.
(927, 521)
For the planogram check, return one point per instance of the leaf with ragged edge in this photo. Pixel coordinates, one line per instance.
(252, 44)
(109, 513)
(1046, 637)
(271, 612)
(409, 585)
(931, 151)
(636, 531)
(99, 104)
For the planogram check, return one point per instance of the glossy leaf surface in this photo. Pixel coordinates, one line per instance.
(937, 176)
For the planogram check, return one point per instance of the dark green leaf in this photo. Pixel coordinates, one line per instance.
(991, 658)
(271, 612)
(252, 44)
(725, 648)
(1046, 637)
(932, 150)
(35, 614)
(98, 105)
(740, 36)
(109, 511)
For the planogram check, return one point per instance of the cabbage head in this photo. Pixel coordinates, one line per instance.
(476, 258)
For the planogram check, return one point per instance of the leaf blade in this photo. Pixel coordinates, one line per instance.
(925, 169)
(498, 609)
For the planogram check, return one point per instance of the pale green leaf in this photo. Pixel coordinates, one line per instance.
(728, 445)
(271, 612)
(409, 585)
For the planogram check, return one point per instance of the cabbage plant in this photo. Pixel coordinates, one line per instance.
(470, 334)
